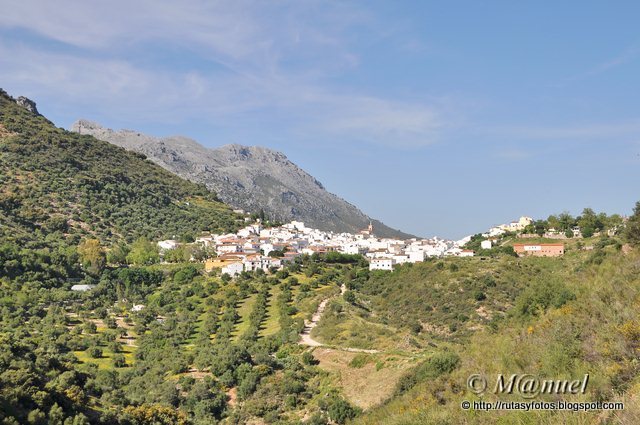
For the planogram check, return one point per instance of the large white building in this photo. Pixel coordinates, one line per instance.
(381, 264)
(233, 268)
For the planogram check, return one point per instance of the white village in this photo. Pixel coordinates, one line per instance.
(270, 248)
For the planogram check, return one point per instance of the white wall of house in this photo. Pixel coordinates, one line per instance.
(416, 256)
(233, 269)
(381, 264)
(168, 244)
(228, 248)
(266, 248)
(400, 259)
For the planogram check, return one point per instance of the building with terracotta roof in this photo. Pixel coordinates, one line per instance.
(222, 261)
(539, 250)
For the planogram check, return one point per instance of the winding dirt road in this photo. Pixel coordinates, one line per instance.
(305, 335)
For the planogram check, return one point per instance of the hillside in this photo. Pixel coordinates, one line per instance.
(168, 343)
(443, 300)
(200, 350)
(252, 178)
(567, 317)
(55, 180)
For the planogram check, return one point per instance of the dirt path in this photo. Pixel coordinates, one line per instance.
(305, 335)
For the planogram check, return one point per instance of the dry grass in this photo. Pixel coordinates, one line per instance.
(365, 386)
(4, 132)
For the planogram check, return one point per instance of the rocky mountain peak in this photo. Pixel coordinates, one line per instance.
(87, 125)
(251, 178)
(27, 104)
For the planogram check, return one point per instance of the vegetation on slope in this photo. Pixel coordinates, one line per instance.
(550, 334)
(205, 350)
(191, 355)
(54, 181)
(440, 300)
(70, 206)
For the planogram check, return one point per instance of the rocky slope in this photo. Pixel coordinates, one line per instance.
(247, 177)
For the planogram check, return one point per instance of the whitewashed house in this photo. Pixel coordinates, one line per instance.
(226, 248)
(466, 253)
(416, 256)
(400, 259)
(82, 288)
(205, 240)
(233, 269)
(167, 245)
(381, 264)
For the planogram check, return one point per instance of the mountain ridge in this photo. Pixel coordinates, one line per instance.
(52, 179)
(251, 178)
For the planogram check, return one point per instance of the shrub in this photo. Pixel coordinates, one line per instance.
(95, 352)
(339, 410)
(349, 297)
(415, 327)
(119, 360)
(478, 295)
(359, 361)
(308, 359)
(185, 275)
(438, 364)
(542, 295)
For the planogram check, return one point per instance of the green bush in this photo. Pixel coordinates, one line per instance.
(438, 364)
(541, 295)
(95, 352)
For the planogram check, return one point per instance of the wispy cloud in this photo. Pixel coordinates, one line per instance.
(513, 154)
(627, 56)
(244, 35)
(275, 56)
(382, 121)
(623, 58)
(585, 132)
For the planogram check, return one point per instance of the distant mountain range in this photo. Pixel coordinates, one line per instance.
(251, 178)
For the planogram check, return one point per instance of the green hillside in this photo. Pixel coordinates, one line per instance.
(440, 301)
(571, 316)
(52, 180)
(167, 343)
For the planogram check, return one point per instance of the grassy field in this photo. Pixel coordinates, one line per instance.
(271, 324)
(244, 309)
(344, 325)
(106, 361)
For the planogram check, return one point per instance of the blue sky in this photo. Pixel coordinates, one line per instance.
(435, 117)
